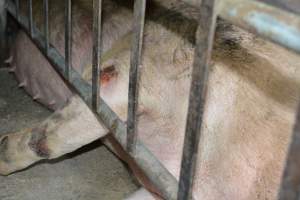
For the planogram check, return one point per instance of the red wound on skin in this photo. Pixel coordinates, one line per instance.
(107, 74)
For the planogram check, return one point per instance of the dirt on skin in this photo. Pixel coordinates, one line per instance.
(88, 174)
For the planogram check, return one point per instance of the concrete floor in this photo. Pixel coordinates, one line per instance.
(90, 173)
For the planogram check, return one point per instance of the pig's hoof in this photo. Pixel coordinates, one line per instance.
(4, 171)
(4, 168)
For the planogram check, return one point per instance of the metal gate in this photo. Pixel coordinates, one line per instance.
(275, 20)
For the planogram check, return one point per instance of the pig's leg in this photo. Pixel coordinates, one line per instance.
(64, 131)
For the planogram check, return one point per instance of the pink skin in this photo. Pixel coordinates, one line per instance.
(36, 75)
(248, 115)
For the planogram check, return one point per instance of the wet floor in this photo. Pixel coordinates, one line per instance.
(90, 173)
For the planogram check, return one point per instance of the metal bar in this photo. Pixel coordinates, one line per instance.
(289, 5)
(276, 25)
(135, 62)
(205, 35)
(97, 10)
(270, 22)
(68, 37)
(156, 172)
(17, 7)
(290, 186)
(30, 23)
(46, 25)
(3, 39)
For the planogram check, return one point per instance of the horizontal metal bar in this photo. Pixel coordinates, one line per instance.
(135, 62)
(46, 25)
(68, 36)
(272, 23)
(205, 35)
(290, 186)
(289, 5)
(267, 21)
(97, 37)
(155, 171)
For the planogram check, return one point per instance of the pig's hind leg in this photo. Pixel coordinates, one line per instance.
(36, 75)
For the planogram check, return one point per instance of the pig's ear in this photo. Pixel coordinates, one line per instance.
(108, 74)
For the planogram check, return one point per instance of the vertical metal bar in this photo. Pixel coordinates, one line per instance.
(17, 8)
(97, 12)
(68, 37)
(30, 22)
(135, 62)
(3, 22)
(46, 25)
(205, 35)
(290, 186)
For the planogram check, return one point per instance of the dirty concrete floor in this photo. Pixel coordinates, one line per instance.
(91, 173)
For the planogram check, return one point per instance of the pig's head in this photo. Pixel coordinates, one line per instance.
(163, 88)
(164, 83)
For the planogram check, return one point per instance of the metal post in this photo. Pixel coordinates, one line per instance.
(135, 62)
(205, 35)
(46, 25)
(290, 186)
(30, 23)
(97, 10)
(18, 8)
(3, 22)
(68, 37)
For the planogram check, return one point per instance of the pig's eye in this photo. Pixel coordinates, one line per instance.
(108, 74)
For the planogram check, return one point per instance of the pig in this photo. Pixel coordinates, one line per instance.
(249, 111)
(44, 84)
(248, 117)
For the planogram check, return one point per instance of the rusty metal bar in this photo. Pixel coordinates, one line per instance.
(271, 23)
(135, 64)
(30, 22)
(68, 37)
(290, 186)
(97, 10)
(204, 35)
(46, 25)
(3, 39)
(156, 172)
